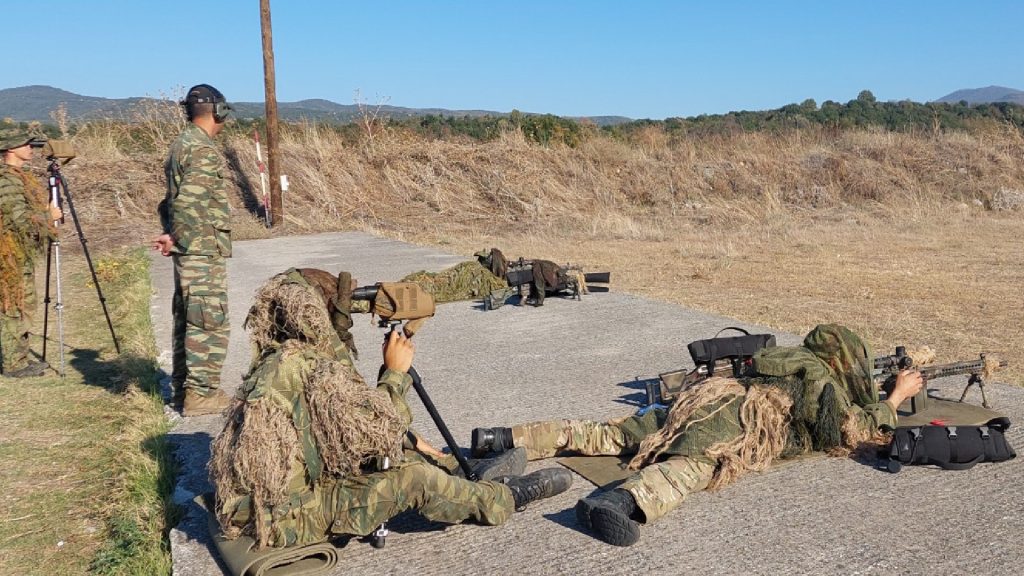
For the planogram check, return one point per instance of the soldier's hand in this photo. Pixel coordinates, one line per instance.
(56, 213)
(398, 352)
(163, 243)
(908, 384)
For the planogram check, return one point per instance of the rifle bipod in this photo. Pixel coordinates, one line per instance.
(58, 183)
(976, 379)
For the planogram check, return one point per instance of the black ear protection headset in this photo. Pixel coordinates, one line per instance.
(206, 94)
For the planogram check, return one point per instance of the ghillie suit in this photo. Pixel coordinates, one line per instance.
(25, 228)
(296, 461)
(464, 281)
(816, 397)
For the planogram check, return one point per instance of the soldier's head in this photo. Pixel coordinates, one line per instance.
(206, 107)
(17, 144)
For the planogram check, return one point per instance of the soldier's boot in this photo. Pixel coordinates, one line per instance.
(538, 485)
(509, 463)
(195, 404)
(33, 369)
(490, 440)
(609, 516)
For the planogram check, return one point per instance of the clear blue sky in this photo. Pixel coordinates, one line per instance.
(642, 59)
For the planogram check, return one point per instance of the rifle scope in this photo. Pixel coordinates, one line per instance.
(365, 293)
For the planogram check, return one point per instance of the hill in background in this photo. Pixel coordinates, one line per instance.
(34, 103)
(985, 95)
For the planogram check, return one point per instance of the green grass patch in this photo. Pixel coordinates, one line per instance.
(88, 473)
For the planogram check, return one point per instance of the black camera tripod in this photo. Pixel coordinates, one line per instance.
(58, 184)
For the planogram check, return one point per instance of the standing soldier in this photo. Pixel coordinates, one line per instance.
(25, 225)
(197, 234)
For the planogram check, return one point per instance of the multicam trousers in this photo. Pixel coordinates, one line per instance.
(359, 504)
(201, 328)
(659, 487)
(15, 325)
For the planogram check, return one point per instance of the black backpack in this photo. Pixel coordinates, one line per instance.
(948, 447)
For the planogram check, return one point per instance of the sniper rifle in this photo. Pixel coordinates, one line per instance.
(889, 366)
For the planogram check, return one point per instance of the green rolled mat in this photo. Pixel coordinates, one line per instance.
(243, 559)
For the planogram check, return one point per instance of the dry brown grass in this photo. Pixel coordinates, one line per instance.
(908, 238)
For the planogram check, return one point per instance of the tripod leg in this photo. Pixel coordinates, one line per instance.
(88, 260)
(46, 298)
(59, 307)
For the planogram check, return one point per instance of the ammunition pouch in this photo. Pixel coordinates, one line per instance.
(948, 447)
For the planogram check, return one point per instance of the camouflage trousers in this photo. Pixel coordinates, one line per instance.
(359, 504)
(15, 325)
(659, 487)
(201, 328)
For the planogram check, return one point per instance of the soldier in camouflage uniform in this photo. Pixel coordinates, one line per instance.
(817, 397)
(294, 464)
(196, 224)
(26, 224)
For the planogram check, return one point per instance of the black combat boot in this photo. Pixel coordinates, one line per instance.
(490, 440)
(508, 463)
(609, 515)
(541, 484)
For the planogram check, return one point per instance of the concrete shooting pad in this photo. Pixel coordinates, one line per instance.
(583, 359)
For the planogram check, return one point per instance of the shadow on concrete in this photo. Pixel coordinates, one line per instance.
(637, 397)
(566, 519)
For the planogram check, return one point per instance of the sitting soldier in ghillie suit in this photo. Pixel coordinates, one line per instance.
(296, 462)
(816, 397)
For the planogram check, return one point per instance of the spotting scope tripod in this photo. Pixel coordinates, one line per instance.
(58, 153)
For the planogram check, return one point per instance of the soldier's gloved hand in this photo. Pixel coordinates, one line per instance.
(56, 213)
(398, 352)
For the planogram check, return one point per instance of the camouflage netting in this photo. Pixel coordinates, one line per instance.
(710, 391)
(12, 260)
(464, 281)
(764, 415)
(351, 422)
(253, 455)
(282, 309)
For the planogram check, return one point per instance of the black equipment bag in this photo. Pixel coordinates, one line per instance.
(737, 348)
(949, 447)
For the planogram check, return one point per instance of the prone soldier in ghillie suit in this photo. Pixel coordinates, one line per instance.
(816, 397)
(26, 225)
(464, 281)
(296, 461)
(544, 277)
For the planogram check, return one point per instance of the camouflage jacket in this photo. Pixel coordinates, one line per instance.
(195, 211)
(24, 216)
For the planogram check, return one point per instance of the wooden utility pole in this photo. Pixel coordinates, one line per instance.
(273, 166)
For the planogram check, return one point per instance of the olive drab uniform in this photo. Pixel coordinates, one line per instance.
(196, 214)
(25, 228)
(321, 503)
(834, 404)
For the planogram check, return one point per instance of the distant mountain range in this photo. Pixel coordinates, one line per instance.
(985, 95)
(29, 103)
